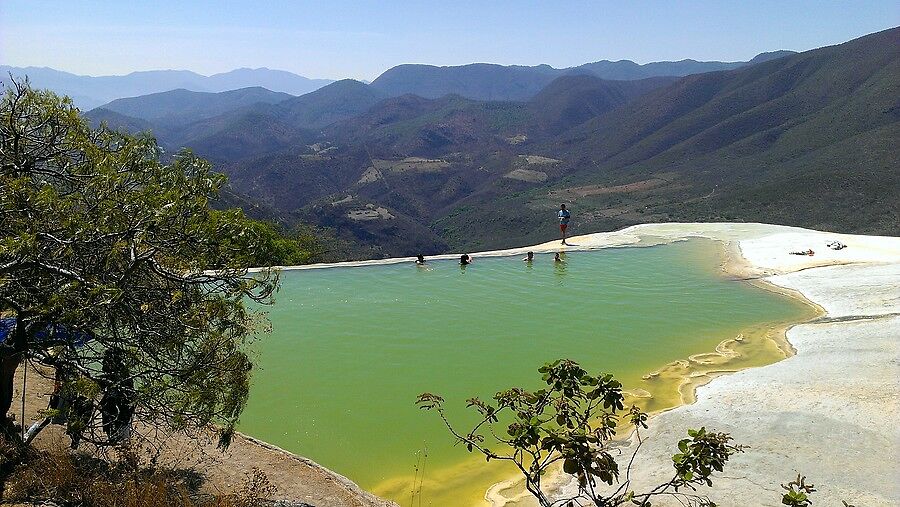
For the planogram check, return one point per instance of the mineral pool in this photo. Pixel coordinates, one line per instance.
(352, 347)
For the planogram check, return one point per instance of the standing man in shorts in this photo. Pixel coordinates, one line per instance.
(564, 217)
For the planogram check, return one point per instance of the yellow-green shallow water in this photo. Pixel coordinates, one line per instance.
(351, 348)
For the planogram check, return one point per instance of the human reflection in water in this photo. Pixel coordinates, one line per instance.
(464, 260)
(421, 264)
(559, 266)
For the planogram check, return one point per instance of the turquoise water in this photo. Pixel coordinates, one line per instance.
(351, 347)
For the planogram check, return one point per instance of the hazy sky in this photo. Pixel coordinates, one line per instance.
(360, 39)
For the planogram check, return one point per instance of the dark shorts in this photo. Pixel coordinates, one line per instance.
(562, 227)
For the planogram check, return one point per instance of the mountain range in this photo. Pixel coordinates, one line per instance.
(89, 91)
(476, 81)
(483, 81)
(180, 106)
(804, 139)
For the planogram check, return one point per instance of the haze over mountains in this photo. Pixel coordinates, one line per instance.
(477, 81)
(806, 139)
(483, 81)
(89, 92)
(178, 106)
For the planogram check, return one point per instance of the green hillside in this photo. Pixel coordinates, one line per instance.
(803, 139)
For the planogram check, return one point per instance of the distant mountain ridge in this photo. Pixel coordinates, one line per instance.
(228, 125)
(807, 139)
(187, 116)
(486, 81)
(182, 105)
(800, 139)
(89, 92)
(480, 81)
(803, 139)
(626, 70)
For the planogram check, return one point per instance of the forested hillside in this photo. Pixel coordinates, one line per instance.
(803, 139)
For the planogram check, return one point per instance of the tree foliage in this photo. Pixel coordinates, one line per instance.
(279, 247)
(115, 270)
(572, 422)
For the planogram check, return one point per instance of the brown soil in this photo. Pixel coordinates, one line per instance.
(295, 478)
(526, 175)
(600, 190)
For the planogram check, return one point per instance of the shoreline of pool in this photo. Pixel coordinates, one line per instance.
(686, 376)
(855, 290)
(750, 256)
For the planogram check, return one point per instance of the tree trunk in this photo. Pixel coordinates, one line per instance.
(11, 354)
(9, 362)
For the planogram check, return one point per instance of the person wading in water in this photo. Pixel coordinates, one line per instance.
(564, 217)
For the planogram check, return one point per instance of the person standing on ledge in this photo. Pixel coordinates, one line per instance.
(564, 217)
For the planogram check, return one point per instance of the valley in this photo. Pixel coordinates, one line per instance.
(550, 280)
(458, 173)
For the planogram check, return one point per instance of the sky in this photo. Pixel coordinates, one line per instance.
(361, 39)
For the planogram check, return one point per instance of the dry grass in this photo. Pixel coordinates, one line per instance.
(588, 190)
(539, 160)
(527, 175)
(411, 164)
(68, 478)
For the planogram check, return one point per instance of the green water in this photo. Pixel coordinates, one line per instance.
(352, 347)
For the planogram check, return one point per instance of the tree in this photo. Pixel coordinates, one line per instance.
(114, 269)
(572, 422)
(285, 248)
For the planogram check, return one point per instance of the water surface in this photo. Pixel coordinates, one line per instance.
(352, 346)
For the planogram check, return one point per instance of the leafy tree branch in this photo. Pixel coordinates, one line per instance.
(572, 422)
